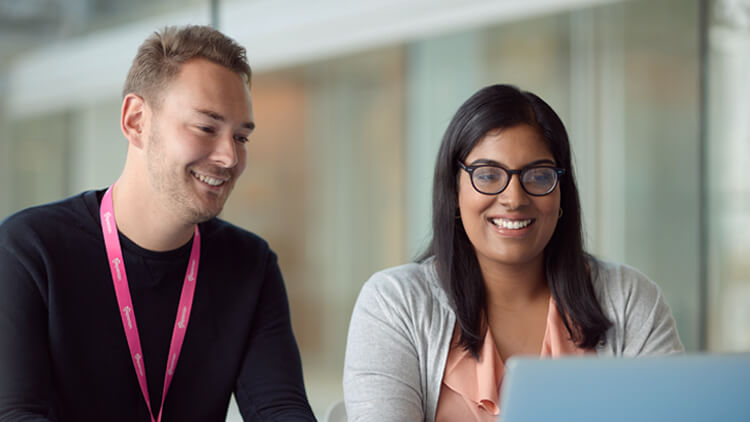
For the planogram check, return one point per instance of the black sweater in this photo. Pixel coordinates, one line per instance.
(63, 351)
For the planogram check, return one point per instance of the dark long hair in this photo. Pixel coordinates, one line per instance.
(565, 261)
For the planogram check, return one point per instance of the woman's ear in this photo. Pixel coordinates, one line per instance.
(132, 119)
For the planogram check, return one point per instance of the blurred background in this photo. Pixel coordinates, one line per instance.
(352, 98)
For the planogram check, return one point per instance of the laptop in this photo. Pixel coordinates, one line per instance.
(688, 388)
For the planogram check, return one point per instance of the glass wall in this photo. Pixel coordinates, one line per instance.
(728, 190)
(59, 125)
(625, 80)
(324, 186)
(339, 172)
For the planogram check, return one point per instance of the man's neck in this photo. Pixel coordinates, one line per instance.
(145, 221)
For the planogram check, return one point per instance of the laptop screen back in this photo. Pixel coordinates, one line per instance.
(680, 388)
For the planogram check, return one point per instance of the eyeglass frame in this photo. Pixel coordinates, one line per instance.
(470, 170)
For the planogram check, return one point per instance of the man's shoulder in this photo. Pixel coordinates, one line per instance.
(51, 217)
(52, 232)
(222, 232)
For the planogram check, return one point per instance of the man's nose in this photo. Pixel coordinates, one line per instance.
(225, 151)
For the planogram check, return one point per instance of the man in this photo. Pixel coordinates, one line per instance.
(136, 303)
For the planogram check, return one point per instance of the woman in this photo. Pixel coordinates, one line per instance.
(505, 275)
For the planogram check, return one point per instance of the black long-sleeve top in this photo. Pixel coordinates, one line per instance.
(63, 351)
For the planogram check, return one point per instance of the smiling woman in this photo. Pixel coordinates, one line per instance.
(505, 275)
(509, 225)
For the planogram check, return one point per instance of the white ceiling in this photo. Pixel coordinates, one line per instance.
(277, 33)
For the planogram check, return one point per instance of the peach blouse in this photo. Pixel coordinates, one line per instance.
(471, 388)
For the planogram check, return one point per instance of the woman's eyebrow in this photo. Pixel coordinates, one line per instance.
(543, 161)
(495, 163)
(485, 161)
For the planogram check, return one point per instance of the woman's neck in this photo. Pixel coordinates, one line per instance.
(514, 286)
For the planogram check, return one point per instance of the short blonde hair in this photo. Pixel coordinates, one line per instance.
(162, 54)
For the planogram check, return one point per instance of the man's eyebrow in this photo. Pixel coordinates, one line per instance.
(211, 114)
(219, 118)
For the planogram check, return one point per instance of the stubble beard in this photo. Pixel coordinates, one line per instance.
(174, 189)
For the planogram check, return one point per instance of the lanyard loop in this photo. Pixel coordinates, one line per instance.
(122, 291)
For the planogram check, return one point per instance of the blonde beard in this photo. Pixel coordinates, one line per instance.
(172, 189)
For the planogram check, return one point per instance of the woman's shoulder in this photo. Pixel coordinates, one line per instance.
(642, 321)
(621, 282)
(628, 296)
(414, 285)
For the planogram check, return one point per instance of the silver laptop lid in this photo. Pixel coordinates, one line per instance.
(681, 388)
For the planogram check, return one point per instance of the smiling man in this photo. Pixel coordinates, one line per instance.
(135, 303)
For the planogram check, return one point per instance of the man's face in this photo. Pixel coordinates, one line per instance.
(196, 135)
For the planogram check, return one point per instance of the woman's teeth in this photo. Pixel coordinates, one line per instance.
(511, 224)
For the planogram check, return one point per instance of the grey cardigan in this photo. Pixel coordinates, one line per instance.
(402, 323)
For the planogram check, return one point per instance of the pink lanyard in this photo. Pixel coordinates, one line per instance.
(120, 280)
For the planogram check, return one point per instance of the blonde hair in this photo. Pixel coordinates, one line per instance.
(162, 54)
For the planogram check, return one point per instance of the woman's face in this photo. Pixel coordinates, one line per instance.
(512, 227)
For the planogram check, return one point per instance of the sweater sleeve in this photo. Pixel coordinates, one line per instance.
(651, 327)
(643, 321)
(270, 385)
(25, 367)
(381, 368)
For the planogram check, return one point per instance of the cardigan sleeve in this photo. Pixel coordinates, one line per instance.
(642, 321)
(651, 328)
(381, 368)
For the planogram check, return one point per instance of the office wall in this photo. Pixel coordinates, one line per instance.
(727, 156)
(340, 168)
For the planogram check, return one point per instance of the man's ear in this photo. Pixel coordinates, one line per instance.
(132, 119)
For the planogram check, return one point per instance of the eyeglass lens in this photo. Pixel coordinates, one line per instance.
(536, 180)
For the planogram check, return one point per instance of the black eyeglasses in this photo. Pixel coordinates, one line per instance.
(490, 179)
